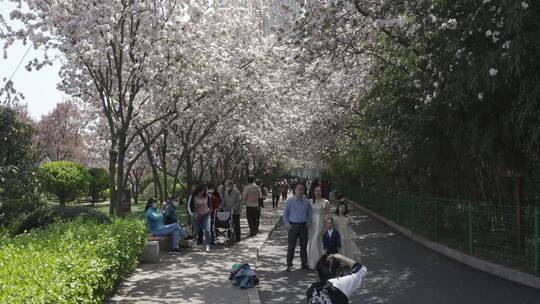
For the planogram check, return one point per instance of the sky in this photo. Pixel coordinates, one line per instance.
(38, 87)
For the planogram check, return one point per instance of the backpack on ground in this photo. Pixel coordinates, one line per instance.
(243, 276)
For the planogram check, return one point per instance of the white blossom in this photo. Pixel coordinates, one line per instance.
(493, 72)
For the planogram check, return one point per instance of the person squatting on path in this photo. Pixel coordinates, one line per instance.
(251, 196)
(296, 218)
(199, 209)
(154, 218)
(231, 201)
(334, 289)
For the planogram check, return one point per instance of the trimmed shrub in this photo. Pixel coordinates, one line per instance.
(46, 215)
(66, 180)
(99, 182)
(70, 262)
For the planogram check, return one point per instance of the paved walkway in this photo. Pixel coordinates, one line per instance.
(400, 271)
(197, 276)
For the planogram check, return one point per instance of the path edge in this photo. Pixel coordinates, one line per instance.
(482, 265)
(253, 293)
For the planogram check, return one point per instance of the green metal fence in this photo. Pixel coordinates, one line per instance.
(501, 234)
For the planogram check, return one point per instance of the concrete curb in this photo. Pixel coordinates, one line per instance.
(488, 267)
(253, 293)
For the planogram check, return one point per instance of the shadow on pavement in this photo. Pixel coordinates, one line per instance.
(400, 271)
(195, 276)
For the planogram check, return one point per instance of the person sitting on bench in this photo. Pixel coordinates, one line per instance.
(154, 217)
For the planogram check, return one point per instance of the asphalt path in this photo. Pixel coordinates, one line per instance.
(400, 271)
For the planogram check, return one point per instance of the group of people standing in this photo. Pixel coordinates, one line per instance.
(326, 245)
(202, 204)
(311, 222)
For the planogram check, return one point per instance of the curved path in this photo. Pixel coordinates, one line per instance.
(400, 271)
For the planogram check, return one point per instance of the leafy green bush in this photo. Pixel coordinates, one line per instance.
(70, 262)
(46, 215)
(99, 182)
(4, 235)
(66, 180)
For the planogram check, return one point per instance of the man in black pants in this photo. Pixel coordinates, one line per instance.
(230, 201)
(250, 196)
(276, 193)
(297, 217)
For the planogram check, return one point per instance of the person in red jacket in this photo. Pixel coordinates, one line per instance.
(215, 202)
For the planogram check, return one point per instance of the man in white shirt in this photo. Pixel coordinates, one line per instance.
(332, 289)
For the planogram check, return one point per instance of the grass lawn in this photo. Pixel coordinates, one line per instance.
(136, 210)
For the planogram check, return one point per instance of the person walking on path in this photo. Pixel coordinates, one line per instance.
(276, 193)
(333, 289)
(199, 209)
(250, 196)
(296, 218)
(231, 201)
(215, 202)
(320, 211)
(264, 192)
(284, 190)
(154, 218)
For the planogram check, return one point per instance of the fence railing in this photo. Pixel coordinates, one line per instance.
(502, 234)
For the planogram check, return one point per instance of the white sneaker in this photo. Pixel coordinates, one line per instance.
(207, 248)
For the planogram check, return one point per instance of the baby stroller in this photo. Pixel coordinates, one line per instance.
(223, 226)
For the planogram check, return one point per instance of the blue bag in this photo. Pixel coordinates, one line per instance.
(243, 276)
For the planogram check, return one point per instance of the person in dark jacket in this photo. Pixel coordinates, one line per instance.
(169, 214)
(331, 238)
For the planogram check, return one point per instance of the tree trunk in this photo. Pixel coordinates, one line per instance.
(176, 173)
(120, 180)
(155, 173)
(113, 154)
(189, 174)
(164, 165)
(201, 172)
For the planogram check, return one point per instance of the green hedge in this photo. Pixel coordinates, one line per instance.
(70, 262)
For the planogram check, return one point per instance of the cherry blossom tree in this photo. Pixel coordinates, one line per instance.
(114, 53)
(60, 133)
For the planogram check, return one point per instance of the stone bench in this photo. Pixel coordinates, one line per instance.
(154, 245)
(151, 252)
(164, 242)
